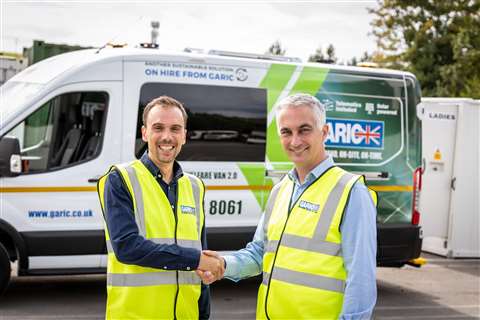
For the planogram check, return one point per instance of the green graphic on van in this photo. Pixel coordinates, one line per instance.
(309, 81)
(255, 176)
(275, 81)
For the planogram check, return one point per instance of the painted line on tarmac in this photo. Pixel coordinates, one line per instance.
(451, 265)
(465, 306)
(439, 260)
(453, 316)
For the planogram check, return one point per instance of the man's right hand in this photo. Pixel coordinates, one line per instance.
(211, 267)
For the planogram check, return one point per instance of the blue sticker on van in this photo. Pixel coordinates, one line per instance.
(345, 133)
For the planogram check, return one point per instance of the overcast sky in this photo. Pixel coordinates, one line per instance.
(246, 26)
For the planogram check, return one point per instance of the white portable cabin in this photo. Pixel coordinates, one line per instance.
(450, 194)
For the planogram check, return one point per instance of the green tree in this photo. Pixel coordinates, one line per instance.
(327, 57)
(331, 53)
(276, 49)
(352, 62)
(438, 41)
(318, 56)
(366, 57)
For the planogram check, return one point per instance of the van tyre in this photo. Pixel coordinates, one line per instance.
(5, 269)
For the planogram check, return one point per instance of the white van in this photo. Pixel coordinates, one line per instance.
(66, 119)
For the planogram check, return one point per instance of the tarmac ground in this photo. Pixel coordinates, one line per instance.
(441, 289)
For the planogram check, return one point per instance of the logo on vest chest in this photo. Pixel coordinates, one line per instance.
(187, 209)
(312, 207)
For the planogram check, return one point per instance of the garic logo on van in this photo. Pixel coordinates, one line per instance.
(241, 74)
(345, 133)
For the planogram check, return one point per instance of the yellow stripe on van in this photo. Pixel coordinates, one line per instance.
(374, 188)
(392, 188)
(214, 188)
(245, 187)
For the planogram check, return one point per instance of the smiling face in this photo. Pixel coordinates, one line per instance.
(165, 133)
(301, 137)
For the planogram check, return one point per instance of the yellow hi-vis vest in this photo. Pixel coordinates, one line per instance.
(303, 270)
(135, 292)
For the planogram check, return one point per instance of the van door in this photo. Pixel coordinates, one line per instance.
(449, 198)
(464, 218)
(53, 203)
(438, 145)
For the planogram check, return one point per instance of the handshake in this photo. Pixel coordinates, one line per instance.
(211, 267)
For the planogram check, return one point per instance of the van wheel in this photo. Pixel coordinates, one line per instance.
(5, 269)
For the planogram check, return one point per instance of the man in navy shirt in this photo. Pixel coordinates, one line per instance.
(165, 132)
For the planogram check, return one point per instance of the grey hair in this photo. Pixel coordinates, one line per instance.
(303, 99)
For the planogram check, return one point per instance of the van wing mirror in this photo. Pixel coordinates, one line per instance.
(10, 159)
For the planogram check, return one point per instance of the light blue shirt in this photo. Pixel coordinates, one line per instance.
(359, 248)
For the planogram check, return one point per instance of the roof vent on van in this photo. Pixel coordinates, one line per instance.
(253, 56)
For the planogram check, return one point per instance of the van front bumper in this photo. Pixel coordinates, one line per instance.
(229, 238)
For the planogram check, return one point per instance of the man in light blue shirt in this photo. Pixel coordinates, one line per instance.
(302, 129)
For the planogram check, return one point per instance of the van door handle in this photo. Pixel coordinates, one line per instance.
(94, 179)
(453, 183)
(275, 173)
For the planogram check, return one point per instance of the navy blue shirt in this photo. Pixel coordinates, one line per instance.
(132, 248)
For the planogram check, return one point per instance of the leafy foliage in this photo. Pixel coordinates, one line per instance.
(327, 57)
(276, 49)
(438, 41)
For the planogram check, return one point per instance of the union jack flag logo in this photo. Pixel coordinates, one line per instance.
(370, 134)
(361, 134)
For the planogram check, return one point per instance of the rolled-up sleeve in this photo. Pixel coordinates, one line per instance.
(359, 247)
(247, 262)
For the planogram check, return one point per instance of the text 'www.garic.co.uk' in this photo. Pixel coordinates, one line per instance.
(60, 213)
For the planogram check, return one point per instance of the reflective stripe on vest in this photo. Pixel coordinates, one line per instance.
(305, 279)
(196, 196)
(151, 278)
(138, 195)
(298, 242)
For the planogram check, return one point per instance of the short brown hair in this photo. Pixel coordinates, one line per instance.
(164, 101)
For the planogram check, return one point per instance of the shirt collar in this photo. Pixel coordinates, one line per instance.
(314, 174)
(177, 170)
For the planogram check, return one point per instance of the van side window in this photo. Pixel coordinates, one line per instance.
(64, 131)
(224, 123)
